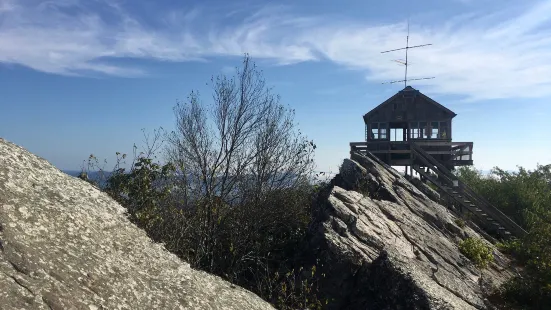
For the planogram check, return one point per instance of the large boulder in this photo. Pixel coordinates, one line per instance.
(66, 245)
(383, 244)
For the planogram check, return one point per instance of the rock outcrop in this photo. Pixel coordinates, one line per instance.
(383, 244)
(66, 245)
(380, 242)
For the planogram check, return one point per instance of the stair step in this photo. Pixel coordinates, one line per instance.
(478, 210)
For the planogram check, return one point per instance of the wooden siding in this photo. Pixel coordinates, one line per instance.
(408, 109)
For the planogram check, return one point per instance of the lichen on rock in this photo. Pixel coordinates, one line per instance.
(67, 245)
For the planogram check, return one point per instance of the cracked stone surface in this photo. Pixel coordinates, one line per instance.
(377, 226)
(66, 245)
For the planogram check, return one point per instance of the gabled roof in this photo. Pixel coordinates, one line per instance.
(406, 92)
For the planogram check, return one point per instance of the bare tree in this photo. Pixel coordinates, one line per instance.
(245, 142)
(237, 150)
(239, 204)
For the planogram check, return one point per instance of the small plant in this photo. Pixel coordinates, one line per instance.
(298, 289)
(477, 251)
(460, 222)
(512, 246)
(432, 186)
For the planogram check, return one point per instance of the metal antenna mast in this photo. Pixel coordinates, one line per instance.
(406, 63)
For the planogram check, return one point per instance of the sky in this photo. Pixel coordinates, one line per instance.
(81, 77)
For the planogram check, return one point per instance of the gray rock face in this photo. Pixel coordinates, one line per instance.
(425, 189)
(66, 245)
(386, 245)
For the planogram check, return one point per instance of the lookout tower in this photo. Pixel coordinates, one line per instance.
(412, 130)
(410, 116)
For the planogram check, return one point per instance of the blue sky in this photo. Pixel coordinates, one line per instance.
(80, 77)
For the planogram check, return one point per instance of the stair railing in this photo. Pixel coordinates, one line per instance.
(471, 195)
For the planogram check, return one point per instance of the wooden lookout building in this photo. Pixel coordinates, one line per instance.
(410, 116)
(412, 130)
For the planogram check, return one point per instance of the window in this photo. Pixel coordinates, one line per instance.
(444, 132)
(429, 130)
(424, 130)
(382, 131)
(414, 130)
(375, 131)
(434, 130)
(379, 131)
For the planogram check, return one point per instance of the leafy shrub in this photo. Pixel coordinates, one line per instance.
(533, 287)
(512, 246)
(525, 196)
(477, 251)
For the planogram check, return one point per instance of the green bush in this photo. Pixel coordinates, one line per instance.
(476, 250)
(525, 196)
(512, 246)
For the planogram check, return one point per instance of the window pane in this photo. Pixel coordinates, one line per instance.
(382, 133)
(414, 130)
(374, 131)
(443, 130)
(424, 130)
(415, 133)
(434, 134)
(374, 134)
(433, 130)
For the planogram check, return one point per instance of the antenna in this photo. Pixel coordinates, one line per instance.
(406, 63)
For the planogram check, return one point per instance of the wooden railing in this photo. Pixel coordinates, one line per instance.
(453, 181)
(460, 151)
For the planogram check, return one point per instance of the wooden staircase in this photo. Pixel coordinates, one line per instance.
(485, 215)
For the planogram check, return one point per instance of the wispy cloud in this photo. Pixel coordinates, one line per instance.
(6, 6)
(479, 55)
